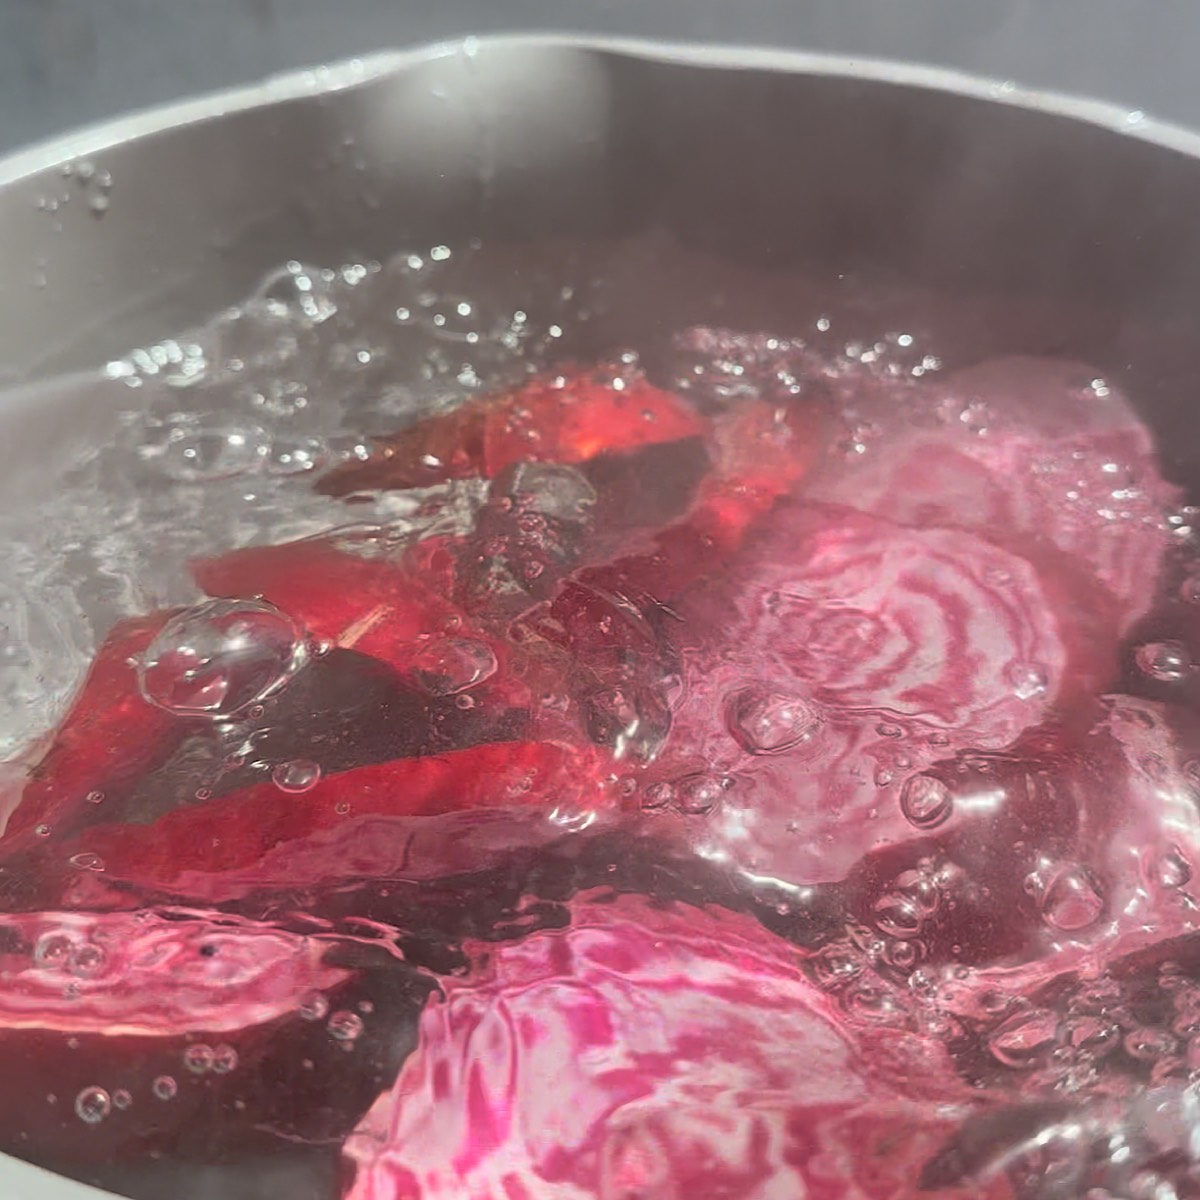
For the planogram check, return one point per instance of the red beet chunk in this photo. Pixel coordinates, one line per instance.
(564, 419)
(697, 1060)
(110, 737)
(356, 823)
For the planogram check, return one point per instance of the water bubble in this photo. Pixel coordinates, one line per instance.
(165, 1087)
(192, 452)
(295, 456)
(903, 955)
(224, 1059)
(92, 1105)
(345, 1027)
(766, 722)
(198, 1058)
(926, 801)
(314, 1006)
(87, 960)
(1168, 662)
(296, 776)
(1024, 1040)
(1171, 868)
(899, 916)
(121, 1098)
(696, 795)
(835, 966)
(52, 950)
(218, 657)
(1028, 680)
(446, 666)
(94, 797)
(1071, 900)
(875, 1004)
(452, 318)
(98, 205)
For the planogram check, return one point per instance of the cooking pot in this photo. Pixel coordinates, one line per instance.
(884, 171)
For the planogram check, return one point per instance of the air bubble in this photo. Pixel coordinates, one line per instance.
(52, 950)
(224, 1059)
(121, 1099)
(165, 1087)
(87, 960)
(875, 1004)
(92, 1105)
(87, 861)
(1172, 869)
(192, 452)
(1167, 662)
(345, 1027)
(926, 801)
(296, 776)
(697, 795)
(899, 916)
(1028, 680)
(1024, 1040)
(219, 657)
(766, 722)
(295, 456)
(314, 1007)
(1071, 900)
(447, 666)
(198, 1058)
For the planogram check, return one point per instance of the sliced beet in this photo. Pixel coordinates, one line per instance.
(698, 1059)
(1021, 451)
(568, 418)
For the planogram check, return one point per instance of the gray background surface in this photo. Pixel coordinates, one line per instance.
(68, 62)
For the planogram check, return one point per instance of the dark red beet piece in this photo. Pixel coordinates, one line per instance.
(110, 736)
(263, 836)
(565, 419)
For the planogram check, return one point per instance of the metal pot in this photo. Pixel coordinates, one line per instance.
(888, 171)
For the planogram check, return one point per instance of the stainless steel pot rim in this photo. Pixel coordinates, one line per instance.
(358, 71)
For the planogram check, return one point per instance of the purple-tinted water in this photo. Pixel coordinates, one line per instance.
(730, 741)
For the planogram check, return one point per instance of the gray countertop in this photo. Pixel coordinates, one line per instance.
(65, 63)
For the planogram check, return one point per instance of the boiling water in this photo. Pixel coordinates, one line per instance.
(783, 780)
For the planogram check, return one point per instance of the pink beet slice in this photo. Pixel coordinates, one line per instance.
(1019, 450)
(839, 655)
(689, 1058)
